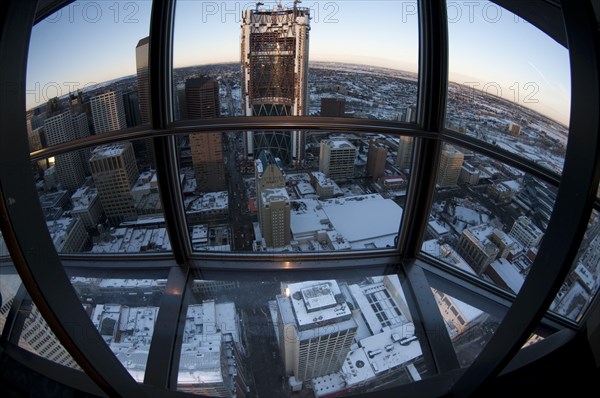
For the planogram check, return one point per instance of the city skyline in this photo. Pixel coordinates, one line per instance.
(537, 68)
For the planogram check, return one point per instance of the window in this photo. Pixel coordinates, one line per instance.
(273, 212)
(488, 218)
(469, 327)
(233, 204)
(298, 59)
(515, 93)
(124, 311)
(334, 336)
(113, 208)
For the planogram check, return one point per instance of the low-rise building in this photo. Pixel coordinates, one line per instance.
(67, 234)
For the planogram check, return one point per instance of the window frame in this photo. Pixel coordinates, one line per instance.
(41, 268)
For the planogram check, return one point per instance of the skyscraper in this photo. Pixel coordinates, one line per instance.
(144, 148)
(108, 112)
(316, 328)
(272, 199)
(115, 171)
(450, 164)
(336, 159)
(274, 69)
(142, 52)
(376, 159)
(202, 101)
(405, 148)
(60, 128)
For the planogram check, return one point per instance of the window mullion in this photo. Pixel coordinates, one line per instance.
(14, 324)
(161, 33)
(433, 85)
(429, 319)
(163, 352)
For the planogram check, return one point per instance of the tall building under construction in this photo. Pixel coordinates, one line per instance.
(274, 67)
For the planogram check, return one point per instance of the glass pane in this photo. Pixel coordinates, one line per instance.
(324, 337)
(9, 285)
(124, 310)
(294, 61)
(349, 195)
(469, 327)
(509, 83)
(87, 71)
(4, 254)
(488, 218)
(37, 337)
(581, 286)
(102, 200)
(539, 334)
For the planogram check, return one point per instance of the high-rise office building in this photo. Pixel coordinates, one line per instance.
(376, 159)
(333, 107)
(144, 148)
(59, 129)
(336, 159)
(115, 171)
(274, 69)
(131, 105)
(142, 52)
(37, 337)
(273, 201)
(108, 112)
(202, 101)
(316, 328)
(405, 149)
(451, 162)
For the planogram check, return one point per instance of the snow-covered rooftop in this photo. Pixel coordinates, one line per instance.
(509, 274)
(275, 195)
(133, 240)
(315, 302)
(447, 254)
(108, 150)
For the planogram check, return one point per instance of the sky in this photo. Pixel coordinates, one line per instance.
(93, 41)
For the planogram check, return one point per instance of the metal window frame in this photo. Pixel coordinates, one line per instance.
(46, 285)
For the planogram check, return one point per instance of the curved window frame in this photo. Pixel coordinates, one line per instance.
(42, 269)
